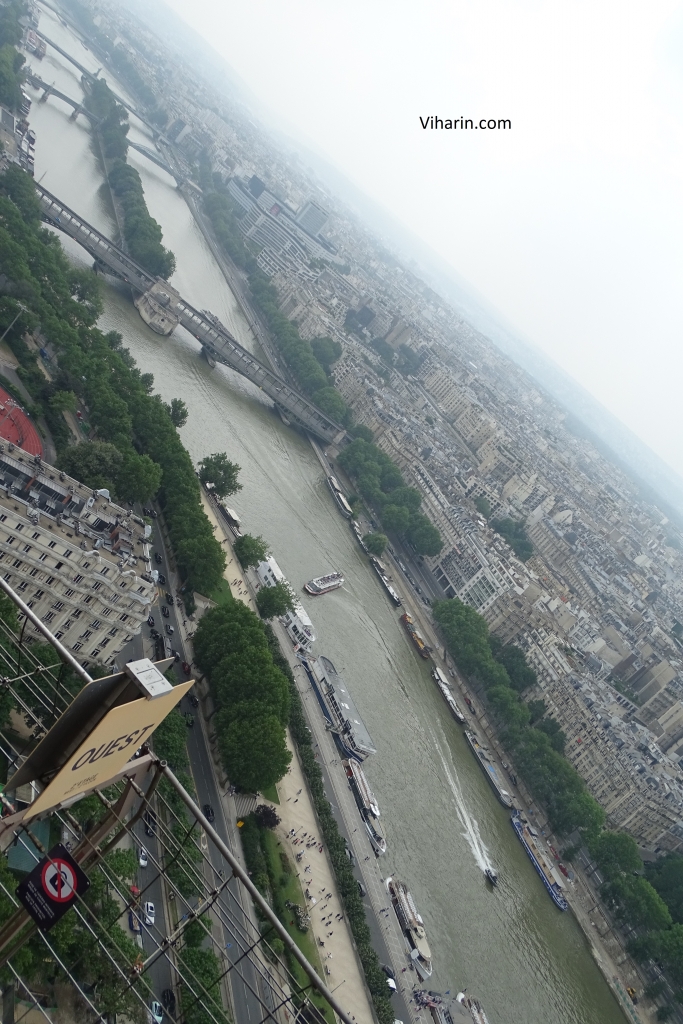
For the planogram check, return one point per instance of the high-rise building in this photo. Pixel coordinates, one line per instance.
(81, 563)
(312, 218)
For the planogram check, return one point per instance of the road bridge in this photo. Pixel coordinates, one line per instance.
(50, 90)
(162, 307)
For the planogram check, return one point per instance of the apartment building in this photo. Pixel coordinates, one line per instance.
(81, 563)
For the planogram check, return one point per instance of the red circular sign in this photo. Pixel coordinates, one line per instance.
(59, 880)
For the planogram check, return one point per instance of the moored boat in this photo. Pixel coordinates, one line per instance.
(477, 1011)
(486, 762)
(339, 497)
(415, 635)
(385, 579)
(412, 925)
(441, 681)
(324, 584)
(532, 843)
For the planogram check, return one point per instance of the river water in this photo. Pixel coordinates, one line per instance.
(527, 962)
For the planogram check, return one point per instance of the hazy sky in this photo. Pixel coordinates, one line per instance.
(570, 223)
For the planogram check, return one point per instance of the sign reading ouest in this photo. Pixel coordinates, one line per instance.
(108, 747)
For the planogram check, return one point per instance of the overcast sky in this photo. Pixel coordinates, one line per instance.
(570, 223)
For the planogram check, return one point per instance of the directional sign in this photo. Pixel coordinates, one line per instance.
(52, 887)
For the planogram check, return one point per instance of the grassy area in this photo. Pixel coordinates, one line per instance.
(270, 793)
(221, 595)
(283, 878)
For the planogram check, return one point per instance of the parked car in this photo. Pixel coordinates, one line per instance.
(164, 611)
(157, 558)
(149, 913)
(389, 971)
(209, 813)
(349, 854)
(161, 578)
(392, 984)
(186, 668)
(169, 630)
(150, 620)
(168, 999)
(156, 1012)
(169, 599)
(176, 656)
(142, 857)
(361, 889)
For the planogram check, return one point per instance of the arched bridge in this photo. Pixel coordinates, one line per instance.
(162, 308)
(49, 90)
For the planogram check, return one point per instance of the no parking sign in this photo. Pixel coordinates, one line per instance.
(52, 887)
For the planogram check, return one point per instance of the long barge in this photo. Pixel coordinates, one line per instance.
(441, 681)
(341, 715)
(415, 635)
(367, 805)
(412, 926)
(384, 579)
(339, 497)
(488, 766)
(531, 841)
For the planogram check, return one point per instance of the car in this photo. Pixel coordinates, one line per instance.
(362, 891)
(169, 630)
(389, 971)
(150, 620)
(193, 699)
(160, 577)
(155, 635)
(142, 857)
(168, 999)
(189, 720)
(145, 511)
(392, 984)
(176, 656)
(156, 1012)
(149, 913)
(157, 558)
(164, 611)
(150, 822)
(209, 813)
(349, 854)
(169, 599)
(186, 668)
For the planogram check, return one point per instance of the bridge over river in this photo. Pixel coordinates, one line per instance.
(162, 307)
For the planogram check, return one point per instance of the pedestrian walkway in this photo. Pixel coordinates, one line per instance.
(298, 827)
(234, 574)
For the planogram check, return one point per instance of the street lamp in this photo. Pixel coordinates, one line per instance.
(22, 309)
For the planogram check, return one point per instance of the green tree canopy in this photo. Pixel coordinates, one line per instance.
(94, 463)
(254, 752)
(217, 470)
(138, 478)
(375, 543)
(250, 550)
(177, 410)
(276, 600)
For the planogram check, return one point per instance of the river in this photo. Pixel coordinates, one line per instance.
(526, 961)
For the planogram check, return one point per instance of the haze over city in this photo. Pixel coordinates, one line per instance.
(569, 223)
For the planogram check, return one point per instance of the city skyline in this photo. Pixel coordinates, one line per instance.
(569, 236)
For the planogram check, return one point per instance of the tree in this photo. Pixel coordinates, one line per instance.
(483, 505)
(423, 535)
(178, 412)
(217, 470)
(375, 543)
(326, 351)
(515, 534)
(616, 853)
(94, 463)
(138, 478)
(395, 518)
(667, 877)
(553, 730)
(331, 403)
(250, 550)
(276, 600)
(63, 401)
(363, 432)
(266, 816)
(254, 752)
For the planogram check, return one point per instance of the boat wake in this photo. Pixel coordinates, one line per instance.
(470, 824)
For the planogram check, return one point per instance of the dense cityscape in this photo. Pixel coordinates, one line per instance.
(540, 581)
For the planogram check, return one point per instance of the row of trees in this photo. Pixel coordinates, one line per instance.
(250, 694)
(381, 484)
(113, 127)
(504, 675)
(100, 372)
(11, 61)
(141, 231)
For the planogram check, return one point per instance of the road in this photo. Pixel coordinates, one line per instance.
(247, 1008)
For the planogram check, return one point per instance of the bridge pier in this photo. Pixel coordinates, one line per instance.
(43, 98)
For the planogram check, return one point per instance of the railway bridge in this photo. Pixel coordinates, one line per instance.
(163, 308)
